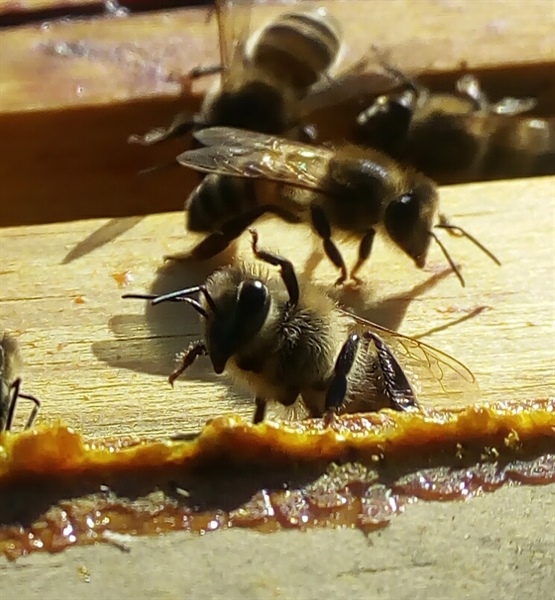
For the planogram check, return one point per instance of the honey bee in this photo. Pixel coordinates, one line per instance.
(357, 190)
(264, 77)
(284, 339)
(10, 384)
(462, 133)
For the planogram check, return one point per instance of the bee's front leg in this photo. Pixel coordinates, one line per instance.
(288, 274)
(188, 357)
(337, 389)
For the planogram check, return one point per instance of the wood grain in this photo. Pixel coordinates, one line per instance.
(101, 60)
(101, 363)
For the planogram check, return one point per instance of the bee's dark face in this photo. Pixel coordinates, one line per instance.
(385, 125)
(241, 313)
(409, 218)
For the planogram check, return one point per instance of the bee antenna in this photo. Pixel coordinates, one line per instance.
(393, 71)
(454, 229)
(195, 304)
(448, 257)
(209, 299)
(155, 168)
(181, 296)
(173, 297)
(140, 296)
(177, 295)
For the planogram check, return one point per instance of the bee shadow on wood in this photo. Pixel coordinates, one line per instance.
(149, 341)
(387, 312)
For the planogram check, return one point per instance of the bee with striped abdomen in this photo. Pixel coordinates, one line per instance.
(356, 191)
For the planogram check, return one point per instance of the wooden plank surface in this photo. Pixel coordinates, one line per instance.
(101, 363)
(106, 60)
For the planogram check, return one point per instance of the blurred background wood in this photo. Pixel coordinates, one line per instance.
(101, 363)
(73, 91)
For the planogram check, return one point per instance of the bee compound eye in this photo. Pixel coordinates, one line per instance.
(253, 297)
(401, 217)
(406, 207)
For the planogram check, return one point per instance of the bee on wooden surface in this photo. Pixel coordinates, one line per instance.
(357, 191)
(458, 133)
(286, 340)
(10, 384)
(264, 77)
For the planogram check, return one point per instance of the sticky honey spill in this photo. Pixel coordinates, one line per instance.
(62, 491)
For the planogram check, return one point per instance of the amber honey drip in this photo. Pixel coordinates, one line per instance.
(57, 491)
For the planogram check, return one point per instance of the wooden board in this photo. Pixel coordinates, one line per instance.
(106, 60)
(72, 92)
(101, 363)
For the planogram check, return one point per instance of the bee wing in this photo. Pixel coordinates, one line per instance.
(234, 20)
(436, 377)
(243, 138)
(242, 153)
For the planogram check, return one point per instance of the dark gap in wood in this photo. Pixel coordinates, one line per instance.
(48, 189)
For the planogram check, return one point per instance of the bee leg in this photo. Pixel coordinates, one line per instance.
(35, 411)
(286, 267)
(364, 251)
(181, 125)
(218, 241)
(14, 391)
(397, 386)
(204, 71)
(187, 358)
(322, 227)
(337, 389)
(260, 410)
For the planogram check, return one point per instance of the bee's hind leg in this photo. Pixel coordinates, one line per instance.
(364, 251)
(397, 387)
(322, 227)
(217, 241)
(337, 389)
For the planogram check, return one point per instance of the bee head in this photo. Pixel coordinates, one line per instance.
(409, 217)
(238, 312)
(385, 124)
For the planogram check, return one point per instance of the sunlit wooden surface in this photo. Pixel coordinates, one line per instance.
(101, 363)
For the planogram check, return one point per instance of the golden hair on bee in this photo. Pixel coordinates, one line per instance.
(286, 341)
(356, 191)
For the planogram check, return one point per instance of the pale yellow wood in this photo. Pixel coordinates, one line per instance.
(102, 364)
(102, 61)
